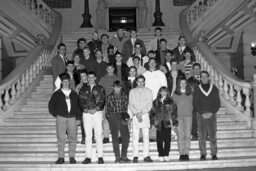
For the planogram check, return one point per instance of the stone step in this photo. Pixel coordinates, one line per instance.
(30, 147)
(174, 155)
(38, 116)
(221, 134)
(111, 166)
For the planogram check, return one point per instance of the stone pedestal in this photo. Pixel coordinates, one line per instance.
(86, 16)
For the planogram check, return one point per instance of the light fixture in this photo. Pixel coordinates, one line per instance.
(253, 48)
(123, 20)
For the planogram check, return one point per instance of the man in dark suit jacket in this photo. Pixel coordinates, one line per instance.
(128, 48)
(95, 43)
(160, 54)
(120, 68)
(182, 48)
(194, 81)
(173, 76)
(59, 61)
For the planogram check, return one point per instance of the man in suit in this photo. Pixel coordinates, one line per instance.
(154, 43)
(161, 53)
(194, 81)
(59, 62)
(182, 47)
(129, 46)
(95, 43)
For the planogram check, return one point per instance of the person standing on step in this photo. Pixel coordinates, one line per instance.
(194, 81)
(81, 43)
(164, 116)
(140, 103)
(206, 102)
(154, 43)
(95, 43)
(64, 105)
(119, 40)
(183, 98)
(92, 101)
(107, 83)
(59, 62)
(116, 113)
(83, 80)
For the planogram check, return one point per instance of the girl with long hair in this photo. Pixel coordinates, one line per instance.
(163, 117)
(184, 99)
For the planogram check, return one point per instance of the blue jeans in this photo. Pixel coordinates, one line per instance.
(207, 127)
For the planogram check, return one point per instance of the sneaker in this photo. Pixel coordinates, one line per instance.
(83, 141)
(194, 138)
(152, 140)
(72, 160)
(202, 157)
(141, 140)
(148, 159)
(135, 160)
(60, 161)
(181, 158)
(105, 140)
(87, 161)
(214, 157)
(161, 158)
(166, 158)
(100, 160)
(125, 160)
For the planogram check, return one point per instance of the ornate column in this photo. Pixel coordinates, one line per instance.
(86, 16)
(158, 15)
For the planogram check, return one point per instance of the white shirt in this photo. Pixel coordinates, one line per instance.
(67, 93)
(154, 81)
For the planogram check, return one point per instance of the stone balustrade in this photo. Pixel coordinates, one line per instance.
(197, 9)
(41, 10)
(13, 90)
(237, 93)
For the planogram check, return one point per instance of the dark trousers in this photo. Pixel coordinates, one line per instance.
(207, 127)
(194, 131)
(116, 124)
(163, 140)
(82, 130)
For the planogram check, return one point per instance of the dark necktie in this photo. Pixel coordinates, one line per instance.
(158, 44)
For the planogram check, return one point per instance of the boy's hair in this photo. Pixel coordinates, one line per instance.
(70, 62)
(151, 51)
(182, 37)
(163, 40)
(64, 76)
(133, 68)
(110, 65)
(140, 77)
(136, 57)
(196, 64)
(118, 53)
(80, 40)
(170, 52)
(117, 83)
(158, 28)
(61, 44)
(82, 71)
(104, 35)
(92, 73)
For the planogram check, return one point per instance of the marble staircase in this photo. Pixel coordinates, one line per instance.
(28, 142)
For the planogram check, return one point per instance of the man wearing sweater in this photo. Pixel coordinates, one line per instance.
(206, 102)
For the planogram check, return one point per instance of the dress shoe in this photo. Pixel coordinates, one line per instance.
(135, 160)
(87, 161)
(186, 157)
(100, 160)
(148, 159)
(83, 141)
(105, 140)
(93, 141)
(214, 157)
(60, 161)
(181, 158)
(202, 157)
(72, 160)
(152, 140)
(125, 160)
(140, 139)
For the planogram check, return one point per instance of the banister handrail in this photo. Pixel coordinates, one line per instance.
(235, 93)
(15, 84)
(211, 58)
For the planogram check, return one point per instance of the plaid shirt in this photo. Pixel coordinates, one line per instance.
(116, 104)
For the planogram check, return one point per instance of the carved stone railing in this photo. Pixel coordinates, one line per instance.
(197, 9)
(241, 18)
(19, 82)
(235, 93)
(41, 9)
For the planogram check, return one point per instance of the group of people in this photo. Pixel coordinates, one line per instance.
(115, 86)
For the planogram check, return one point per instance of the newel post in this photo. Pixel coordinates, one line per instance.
(254, 106)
